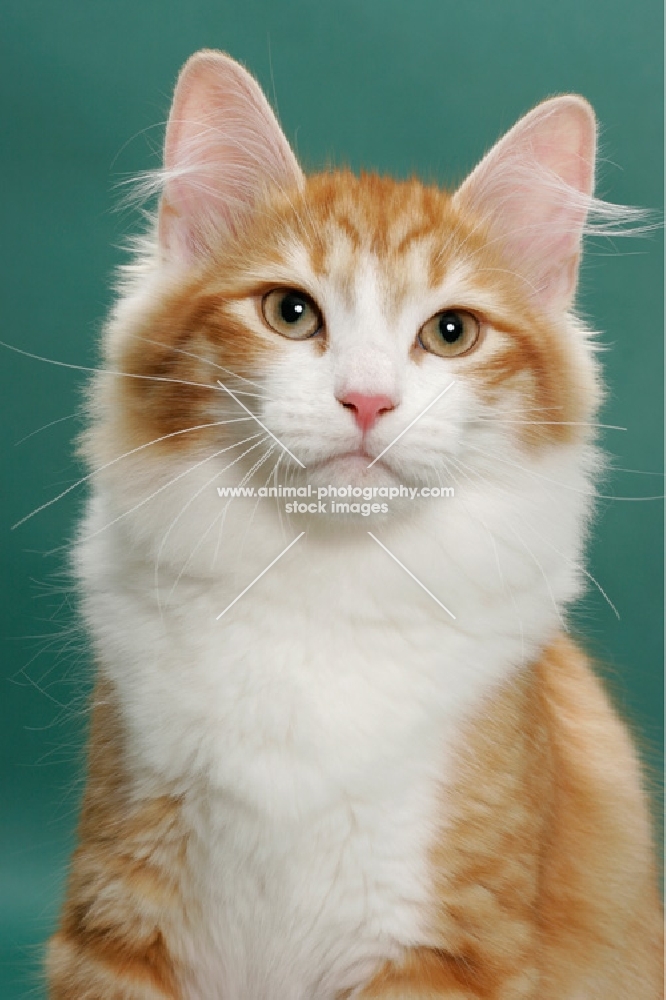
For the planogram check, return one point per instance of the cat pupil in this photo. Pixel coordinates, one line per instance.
(450, 327)
(292, 308)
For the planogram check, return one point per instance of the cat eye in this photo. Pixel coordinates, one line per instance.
(450, 333)
(291, 313)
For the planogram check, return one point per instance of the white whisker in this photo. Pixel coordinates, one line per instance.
(183, 568)
(507, 590)
(531, 554)
(214, 364)
(262, 425)
(45, 427)
(554, 482)
(255, 468)
(132, 451)
(161, 489)
(580, 569)
(568, 560)
(104, 371)
(550, 423)
(277, 499)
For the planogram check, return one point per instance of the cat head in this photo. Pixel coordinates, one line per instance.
(348, 329)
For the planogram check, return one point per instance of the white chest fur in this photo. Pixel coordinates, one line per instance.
(298, 911)
(309, 732)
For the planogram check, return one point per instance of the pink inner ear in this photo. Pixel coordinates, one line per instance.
(223, 148)
(534, 188)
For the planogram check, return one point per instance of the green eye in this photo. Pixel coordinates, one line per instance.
(291, 313)
(450, 333)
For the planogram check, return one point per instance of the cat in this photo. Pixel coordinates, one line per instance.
(350, 755)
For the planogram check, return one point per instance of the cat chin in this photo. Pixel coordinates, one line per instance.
(351, 469)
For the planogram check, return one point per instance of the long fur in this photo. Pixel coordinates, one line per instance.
(328, 787)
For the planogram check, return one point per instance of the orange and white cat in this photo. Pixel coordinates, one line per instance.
(342, 784)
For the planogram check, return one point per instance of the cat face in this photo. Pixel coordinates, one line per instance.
(339, 329)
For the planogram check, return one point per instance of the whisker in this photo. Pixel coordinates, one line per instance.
(104, 371)
(207, 361)
(223, 515)
(572, 563)
(60, 420)
(553, 423)
(262, 425)
(507, 590)
(226, 506)
(478, 518)
(635, 472)
(184, 508)
(132, 451)
(254, 470)
(277, 498)
(582, 570)
(522, 541)
(554, 482)
(161, 489)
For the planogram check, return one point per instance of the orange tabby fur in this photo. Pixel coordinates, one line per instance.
(544, 837)
(403, 223)
(543, 842)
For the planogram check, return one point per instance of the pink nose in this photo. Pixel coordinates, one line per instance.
(366, 408)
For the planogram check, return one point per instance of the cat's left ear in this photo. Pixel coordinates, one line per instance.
(533, 190)
(223, 148)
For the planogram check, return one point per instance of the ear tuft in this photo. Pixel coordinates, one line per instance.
(534, 190)
(223, 148)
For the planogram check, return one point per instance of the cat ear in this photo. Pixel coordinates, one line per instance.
(534, 189)
(223, 147)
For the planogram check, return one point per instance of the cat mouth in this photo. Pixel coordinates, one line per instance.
(356, 460)
(357, 455)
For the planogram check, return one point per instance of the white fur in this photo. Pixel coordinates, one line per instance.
(311, 729)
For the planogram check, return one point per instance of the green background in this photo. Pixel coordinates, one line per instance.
(396, 85)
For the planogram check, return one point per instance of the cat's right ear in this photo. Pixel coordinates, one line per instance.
(223, 147)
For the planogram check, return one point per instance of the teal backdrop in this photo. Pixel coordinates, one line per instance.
(399, 86)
